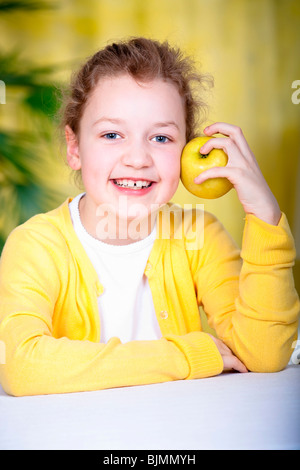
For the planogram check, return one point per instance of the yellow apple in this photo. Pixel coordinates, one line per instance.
(193, 163)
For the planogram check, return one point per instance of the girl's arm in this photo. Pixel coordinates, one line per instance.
(37, 362)
(256, 314)
(252, 305)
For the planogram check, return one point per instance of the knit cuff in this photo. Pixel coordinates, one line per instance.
(266, 244)
(201, 353)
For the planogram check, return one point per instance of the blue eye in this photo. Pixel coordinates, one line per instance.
(162, 139)
(111, 136)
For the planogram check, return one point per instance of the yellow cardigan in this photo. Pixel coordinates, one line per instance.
(49, 320)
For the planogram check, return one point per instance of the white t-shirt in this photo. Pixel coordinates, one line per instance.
(126, 307)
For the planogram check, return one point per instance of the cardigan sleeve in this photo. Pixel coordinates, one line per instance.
(36, 362)
(249, 297)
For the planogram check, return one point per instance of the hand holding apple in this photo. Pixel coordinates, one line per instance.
(194, 163)
(242, 171)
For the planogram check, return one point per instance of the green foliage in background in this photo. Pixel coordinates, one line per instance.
(25, 5)
(24, 188)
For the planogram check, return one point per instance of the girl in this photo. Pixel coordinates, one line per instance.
(94, 295)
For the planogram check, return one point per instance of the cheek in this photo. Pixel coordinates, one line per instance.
(94, 165)
(168, 162)
(89, 172)
(170, 173)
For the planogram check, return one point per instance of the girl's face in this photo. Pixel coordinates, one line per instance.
(130, 142)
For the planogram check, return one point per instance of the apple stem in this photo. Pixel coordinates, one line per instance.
(204, 156)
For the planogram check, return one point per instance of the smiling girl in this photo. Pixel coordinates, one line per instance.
(87, 303)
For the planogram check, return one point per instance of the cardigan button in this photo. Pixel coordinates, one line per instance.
(148, 267)
(164, 314)
(99, 289)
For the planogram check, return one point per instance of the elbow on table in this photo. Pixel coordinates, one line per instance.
(14, 381)
(10, 385)
(269, 363)
(267, 354)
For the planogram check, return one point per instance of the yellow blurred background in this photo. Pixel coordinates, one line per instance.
(251, 47)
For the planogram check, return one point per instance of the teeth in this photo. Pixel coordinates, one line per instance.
(125, 183)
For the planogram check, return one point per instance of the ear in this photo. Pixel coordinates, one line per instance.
(73, 156)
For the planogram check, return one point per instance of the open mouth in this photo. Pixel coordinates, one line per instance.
(132, 184)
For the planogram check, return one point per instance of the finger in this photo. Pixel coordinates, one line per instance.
(225, 144)
(216, 172)
(234, 132)
(232, 362)
(220, 128)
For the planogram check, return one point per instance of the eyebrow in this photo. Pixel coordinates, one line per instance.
(108, 119)
(121, 121)
(166, 124)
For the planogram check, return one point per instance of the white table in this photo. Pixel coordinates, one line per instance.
(230, 411)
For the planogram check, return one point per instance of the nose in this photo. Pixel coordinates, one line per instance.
(137, 155)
